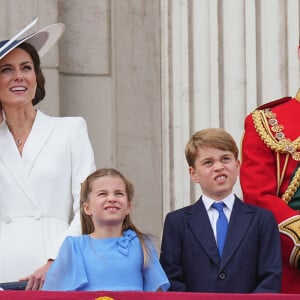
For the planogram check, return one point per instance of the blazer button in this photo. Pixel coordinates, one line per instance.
(7, 219)
(37, 215)
(222, 276)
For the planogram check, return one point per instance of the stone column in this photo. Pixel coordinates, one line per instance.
(85, 71)
(220, 60)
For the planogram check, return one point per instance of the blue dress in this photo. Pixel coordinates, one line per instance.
(111, 264)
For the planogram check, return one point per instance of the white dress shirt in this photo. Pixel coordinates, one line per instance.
(213, 214)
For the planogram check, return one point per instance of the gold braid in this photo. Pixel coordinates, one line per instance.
(280, 145)
(290, 227)
(283, 145)
(292, 188)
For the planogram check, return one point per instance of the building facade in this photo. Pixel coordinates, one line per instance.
(146, 74)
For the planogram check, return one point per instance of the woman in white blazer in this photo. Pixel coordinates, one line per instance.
(43, 161)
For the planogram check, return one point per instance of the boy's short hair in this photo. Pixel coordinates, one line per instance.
(210, 137)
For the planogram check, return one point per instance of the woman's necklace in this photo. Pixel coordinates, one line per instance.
(21, 136)
(18, 138)
(18, 142)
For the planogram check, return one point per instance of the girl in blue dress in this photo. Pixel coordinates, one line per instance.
(112, 254)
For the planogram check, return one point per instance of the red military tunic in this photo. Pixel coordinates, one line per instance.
(270, 158)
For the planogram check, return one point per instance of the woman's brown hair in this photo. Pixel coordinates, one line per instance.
(40, 79)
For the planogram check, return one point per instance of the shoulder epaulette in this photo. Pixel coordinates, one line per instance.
(274, 103)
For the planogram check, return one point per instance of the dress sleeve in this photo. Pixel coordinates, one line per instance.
(83, 164)
(67, 272)
(154, 276)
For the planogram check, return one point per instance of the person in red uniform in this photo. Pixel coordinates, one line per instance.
(270, 175)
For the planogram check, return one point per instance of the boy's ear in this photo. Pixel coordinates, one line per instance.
(193, 174)
(238, 162)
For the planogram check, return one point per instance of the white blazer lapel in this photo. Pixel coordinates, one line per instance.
(10, 158)
(20, 167)
(40, 132)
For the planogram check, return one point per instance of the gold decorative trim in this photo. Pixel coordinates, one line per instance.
(266, 124)
(291, 228)
(292, 188)
(295, 257)
(279, 143)
(297, 97)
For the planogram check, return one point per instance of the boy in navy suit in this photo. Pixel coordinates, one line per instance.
(232, 249)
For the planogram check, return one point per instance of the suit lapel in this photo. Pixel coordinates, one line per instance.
(200, 225)
(240, 220)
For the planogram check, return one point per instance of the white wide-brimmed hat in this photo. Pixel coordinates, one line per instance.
(41, 40)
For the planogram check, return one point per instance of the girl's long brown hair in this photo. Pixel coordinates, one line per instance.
(87, 225)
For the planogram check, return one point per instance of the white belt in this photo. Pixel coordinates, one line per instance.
(8, 219)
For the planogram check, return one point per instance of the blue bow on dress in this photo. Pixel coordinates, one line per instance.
(123, 242)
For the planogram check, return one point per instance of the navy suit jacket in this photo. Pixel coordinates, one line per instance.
(251, 260)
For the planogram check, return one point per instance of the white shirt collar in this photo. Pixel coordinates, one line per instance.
(228, 201)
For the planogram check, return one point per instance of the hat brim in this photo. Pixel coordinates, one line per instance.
(41, 40)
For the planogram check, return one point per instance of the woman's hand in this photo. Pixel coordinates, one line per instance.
(37, 278)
